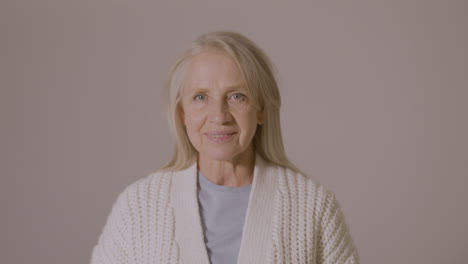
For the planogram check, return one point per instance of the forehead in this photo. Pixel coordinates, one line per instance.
(212, 69)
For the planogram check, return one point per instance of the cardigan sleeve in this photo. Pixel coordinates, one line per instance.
(113, 243)
(335, 243)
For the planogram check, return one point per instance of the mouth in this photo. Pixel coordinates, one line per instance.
(219, 137)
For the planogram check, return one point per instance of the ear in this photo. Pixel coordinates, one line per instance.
(260, 118)
(181, 115)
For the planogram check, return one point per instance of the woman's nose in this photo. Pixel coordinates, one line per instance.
(219, 112)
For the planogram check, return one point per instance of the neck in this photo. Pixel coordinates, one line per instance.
(234, 173)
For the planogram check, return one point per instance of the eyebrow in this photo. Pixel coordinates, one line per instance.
(229, 89)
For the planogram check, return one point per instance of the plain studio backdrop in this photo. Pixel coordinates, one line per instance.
(375, 105)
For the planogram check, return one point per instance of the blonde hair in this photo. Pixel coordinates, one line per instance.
(257, 70)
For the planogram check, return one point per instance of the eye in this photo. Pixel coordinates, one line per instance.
(238, 97)
(200, 97)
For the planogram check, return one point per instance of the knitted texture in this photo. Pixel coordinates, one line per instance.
(140, 227)
(306, 224)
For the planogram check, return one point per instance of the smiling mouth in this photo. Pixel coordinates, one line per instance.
(219, 137)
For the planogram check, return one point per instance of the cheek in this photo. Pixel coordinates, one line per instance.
(193, 122)
(249, 125)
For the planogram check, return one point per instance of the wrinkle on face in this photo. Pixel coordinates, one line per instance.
(215, 98)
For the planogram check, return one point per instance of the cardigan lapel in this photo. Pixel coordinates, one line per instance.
(257, 231)
(188, 231)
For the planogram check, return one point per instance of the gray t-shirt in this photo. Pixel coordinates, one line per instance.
(222, 211)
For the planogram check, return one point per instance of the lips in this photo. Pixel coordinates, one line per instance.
(219, 136)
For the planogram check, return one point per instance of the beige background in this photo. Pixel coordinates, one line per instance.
(375, 106)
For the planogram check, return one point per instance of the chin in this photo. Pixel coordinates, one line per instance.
(221, 155)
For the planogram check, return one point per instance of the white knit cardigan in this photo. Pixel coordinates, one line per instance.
(290, 218)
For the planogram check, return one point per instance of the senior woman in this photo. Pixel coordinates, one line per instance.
(229, 193)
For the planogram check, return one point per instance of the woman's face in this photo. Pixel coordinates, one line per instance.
(216, 111)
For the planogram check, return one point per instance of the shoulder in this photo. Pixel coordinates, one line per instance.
(140, 199)
(298, 184)
(139, 205)
(141, 191)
